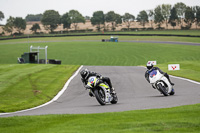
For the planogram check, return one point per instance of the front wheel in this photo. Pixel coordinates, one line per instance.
(100, 96)
(163, 90)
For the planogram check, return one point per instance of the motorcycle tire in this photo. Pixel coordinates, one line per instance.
(115, 99)
(100, 96)
(162, 90)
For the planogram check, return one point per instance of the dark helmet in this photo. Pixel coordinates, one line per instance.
(84, 73)
(149, 65)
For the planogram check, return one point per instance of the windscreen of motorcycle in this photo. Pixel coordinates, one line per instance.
(154, 76)
(152, 73)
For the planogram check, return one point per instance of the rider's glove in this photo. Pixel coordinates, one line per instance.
(99, 76)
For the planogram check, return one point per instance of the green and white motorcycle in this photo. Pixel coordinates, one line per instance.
(101, 91)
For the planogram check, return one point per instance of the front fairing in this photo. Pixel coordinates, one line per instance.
(154, 76)
(92, 81)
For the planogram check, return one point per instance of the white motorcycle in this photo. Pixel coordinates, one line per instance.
(101, 91)
(160, 82)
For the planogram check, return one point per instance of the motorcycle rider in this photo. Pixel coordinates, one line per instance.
(85, 74)
(150, 68)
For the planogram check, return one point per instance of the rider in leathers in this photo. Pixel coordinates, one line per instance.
(150, 68)
(85, 74)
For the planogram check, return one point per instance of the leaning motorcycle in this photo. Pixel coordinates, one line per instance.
(161, 83)
(101, 91)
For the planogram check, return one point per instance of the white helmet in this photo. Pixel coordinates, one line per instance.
(149, 65)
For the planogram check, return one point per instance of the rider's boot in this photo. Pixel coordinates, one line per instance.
(167, 76)
(112, 90)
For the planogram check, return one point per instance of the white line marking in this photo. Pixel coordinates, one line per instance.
(54, 99)
(192, 81)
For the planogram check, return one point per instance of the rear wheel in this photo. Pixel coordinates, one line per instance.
(163, 90)
(100, 96)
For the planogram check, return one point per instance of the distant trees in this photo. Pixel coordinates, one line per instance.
(180, 14)
(128, 19)
(19, 24)
(76, 18)
(189, 16)
(9, 25)
(197, 15)
(114, 19)
(142, 18)
(166, 8)
(151, 16)
(35, 27)
(173, 17)
(50, 20)
(97, 19)
(158, 17)
(66, 21)
(31, 17)
(180, 9)
(1, 16)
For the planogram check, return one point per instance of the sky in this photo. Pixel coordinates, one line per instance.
(21, 8)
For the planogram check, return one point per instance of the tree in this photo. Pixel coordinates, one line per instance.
(166, 8)
(98, 18)
(76, 18)
(50, 20)
(66, 21)
(158, 16)
(31, 17)
(9, 25)
(35, 27)
(189, 16)
(197, 15)
(113, 18)
(1, 16)
(19, 24)
(151, 16)
(128, 18)
(142, 18)
(180, 8)
(173, 17)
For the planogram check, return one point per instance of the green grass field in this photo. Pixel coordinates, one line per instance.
(173, 120)
(13, 76)
(168, 32)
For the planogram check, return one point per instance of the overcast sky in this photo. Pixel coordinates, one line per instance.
(21, 8)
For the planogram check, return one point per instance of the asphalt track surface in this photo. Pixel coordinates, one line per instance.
(134, 93)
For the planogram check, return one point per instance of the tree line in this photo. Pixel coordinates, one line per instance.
(179, 14)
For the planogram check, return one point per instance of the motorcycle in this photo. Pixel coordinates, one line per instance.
(161, 83)
(101, 91)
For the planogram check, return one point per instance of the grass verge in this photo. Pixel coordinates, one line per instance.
(176, 120)
(26, 86)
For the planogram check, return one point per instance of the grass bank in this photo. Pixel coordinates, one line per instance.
(176, 120)
(26, 86)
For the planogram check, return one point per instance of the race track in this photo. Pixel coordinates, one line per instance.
(134, 93)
